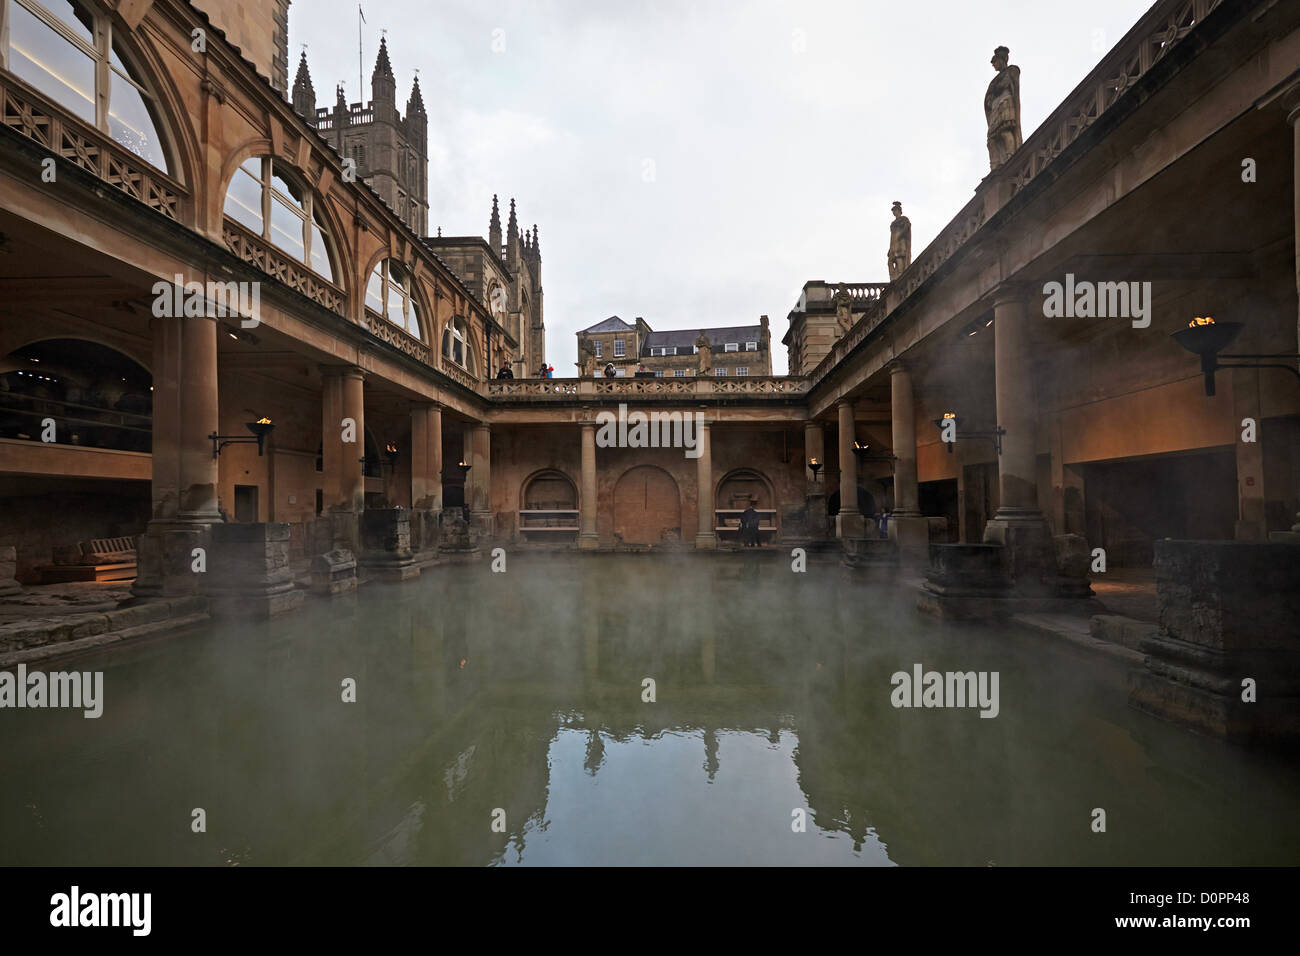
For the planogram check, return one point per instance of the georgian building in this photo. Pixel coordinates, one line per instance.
(742, 350)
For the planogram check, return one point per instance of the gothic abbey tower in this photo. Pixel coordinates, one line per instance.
(506, 272)
(391, 150)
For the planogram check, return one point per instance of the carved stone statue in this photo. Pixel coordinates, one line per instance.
(705, 348)
(586, 358)
(843, 312)
(1002, 109)
(900, 242)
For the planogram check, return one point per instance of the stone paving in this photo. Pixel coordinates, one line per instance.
(55, 619)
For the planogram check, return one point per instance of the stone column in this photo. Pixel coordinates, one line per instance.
(426, 475)
(478, 451)
(849, 522)
(426, 456)
(199, 418)
(343, 442)
(342, 448)
(184, 469)
(814, 446)
(1018, 525)
(705, 537)
(353, 483)
(907, 526)
(587, 537)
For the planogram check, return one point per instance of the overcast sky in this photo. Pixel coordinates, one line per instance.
(696, 161)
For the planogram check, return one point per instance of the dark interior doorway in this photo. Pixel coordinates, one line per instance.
(246, 503)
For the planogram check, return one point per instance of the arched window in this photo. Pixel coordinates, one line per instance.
(390, 293)
(455, 342)
(276, 206)
(66, 49)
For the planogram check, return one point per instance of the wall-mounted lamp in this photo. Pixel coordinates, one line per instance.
(389, 461)
(996, 434)
(1207, 338)
(464, 469)
(260, 429)
(862, 451)
(815, 465)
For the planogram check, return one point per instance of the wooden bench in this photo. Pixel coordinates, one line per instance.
(99, 559)
(558, 521)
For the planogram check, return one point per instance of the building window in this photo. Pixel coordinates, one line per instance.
(731, 347)
(742, 369)
(597, 344)
(659, 373)
(719, 371)
(679, 373)
(620, 348)
(280, 210)
(751, 346)
(390, 293)
(455, 342)
(68, 52)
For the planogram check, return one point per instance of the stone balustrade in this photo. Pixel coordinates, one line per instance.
(701, 386)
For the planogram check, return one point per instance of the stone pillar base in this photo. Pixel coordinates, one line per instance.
(165, 559)
(1028, 554)
(1228, 612)
(386, 545)
(248, 571)
(870, 553)
(850, 526)
(424, 531)
(965, 582)
(588, 541)
(706, 542)
(456, 536)
(911, 533)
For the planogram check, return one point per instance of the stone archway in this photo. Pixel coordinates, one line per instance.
(647, 507)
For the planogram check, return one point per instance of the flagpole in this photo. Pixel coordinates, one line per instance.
(360, 56)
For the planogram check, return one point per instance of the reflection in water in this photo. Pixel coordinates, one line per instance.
(518, 697)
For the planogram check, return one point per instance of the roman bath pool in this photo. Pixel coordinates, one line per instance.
(504, 719)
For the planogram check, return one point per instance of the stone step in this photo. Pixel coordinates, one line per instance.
(80, 644)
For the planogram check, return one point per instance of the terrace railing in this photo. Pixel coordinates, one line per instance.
(28, 112)
(399, 338)
(282, 267)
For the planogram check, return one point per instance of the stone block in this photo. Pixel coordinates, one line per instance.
(334, 572)
(248, 570)
(8, 571)
(1229, 611)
